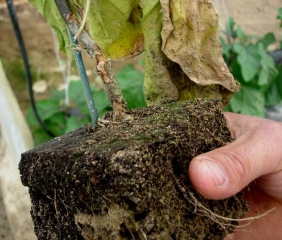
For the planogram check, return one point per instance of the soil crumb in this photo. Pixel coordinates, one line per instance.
(129, 180)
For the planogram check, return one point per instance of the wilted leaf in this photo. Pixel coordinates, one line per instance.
(115, 26)
(190, 38)
(183, 54)
(49, 10)
(158, 80)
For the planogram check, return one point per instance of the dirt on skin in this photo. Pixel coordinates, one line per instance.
(128, 180)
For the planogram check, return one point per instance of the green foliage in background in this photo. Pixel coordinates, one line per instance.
(61, 119)
(279, 16)
(249, 62)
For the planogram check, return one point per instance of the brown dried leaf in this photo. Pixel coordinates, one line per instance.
(190, 38)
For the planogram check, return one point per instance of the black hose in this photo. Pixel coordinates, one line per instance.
(17, 30)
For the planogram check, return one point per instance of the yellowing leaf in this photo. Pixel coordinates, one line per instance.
(115, 26)
(158, 84)
(183, 56)
(177, 66)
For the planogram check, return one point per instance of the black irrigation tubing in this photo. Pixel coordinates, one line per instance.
(19, 37)
(84, 80)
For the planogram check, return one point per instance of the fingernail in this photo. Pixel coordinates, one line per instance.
(216, 172)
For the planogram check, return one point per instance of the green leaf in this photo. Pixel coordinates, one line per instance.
(263, 77)
(279, 13)
(115, 26)
(241, 34)
(248, 101)
(279, 16)
(273, 95)
(74, 122)
(40, 136)
(57, 95)
(57, 123)
(226, 47)
(76, 93)
(131, 83)
(236, 71)
(230, 28)
(268, 70)
(46, 108)
(30, 118)
(142, 60)
(49, 10)
(77, 97)
(58, 119)
(101, 101)
(267, 40)
(249, 60)
(228, 108)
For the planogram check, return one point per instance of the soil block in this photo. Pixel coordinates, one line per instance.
(129, 179)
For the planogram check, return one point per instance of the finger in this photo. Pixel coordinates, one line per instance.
(223, 172)
(239, 124)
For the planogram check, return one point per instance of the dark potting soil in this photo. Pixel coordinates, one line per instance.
(129, 179)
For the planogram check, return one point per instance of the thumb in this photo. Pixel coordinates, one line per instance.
(223, 172)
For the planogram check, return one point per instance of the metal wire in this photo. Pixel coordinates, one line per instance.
(84, 80)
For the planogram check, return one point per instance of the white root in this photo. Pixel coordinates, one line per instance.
(199, 207)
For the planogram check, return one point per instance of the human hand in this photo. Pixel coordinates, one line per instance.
(253, 162)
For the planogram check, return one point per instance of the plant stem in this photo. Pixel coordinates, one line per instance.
(103, 67)
(85, 83)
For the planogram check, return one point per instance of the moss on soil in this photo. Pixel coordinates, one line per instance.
(128, 180)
